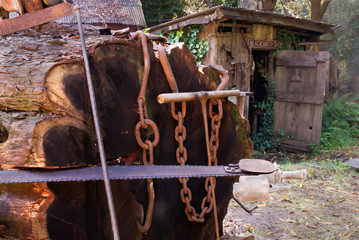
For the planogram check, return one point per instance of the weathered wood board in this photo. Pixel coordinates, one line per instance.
(300, 79)
(35, 18)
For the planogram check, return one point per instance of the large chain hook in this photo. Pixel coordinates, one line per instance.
(147, 145)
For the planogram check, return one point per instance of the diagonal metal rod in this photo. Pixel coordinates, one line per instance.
(244, 207)
(205, 121)
(110, 202)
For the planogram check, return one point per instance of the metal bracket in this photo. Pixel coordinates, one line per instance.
(244, 208)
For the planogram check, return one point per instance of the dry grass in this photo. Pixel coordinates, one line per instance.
(325, 206)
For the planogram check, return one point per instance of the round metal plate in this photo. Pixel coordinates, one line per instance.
(256, 166)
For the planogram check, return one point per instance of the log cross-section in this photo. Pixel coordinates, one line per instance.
(45, 110)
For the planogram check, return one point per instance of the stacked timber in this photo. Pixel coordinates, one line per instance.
(46, 122)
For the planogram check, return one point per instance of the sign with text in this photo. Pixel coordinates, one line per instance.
(264, 44)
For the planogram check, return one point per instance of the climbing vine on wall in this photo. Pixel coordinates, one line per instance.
(290, 41)
(199, 47)
(264, 139)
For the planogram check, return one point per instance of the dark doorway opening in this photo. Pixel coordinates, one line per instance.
(259, 87)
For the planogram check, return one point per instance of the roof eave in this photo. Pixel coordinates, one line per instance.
(222, 12)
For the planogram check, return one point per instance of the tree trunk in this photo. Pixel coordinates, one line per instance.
(266, 5)
(318, 9)
(47, 122)
(333, 86)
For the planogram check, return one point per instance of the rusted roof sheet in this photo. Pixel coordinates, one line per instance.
(126, 12)
(249, 16)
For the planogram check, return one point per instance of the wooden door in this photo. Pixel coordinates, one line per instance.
(300, 78)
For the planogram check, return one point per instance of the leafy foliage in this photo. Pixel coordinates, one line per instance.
(289, 39)
(340, 123)
(295, 8)
(198, 47)
(160, 11)
(266, 139)
(248, 4)
(194, 6)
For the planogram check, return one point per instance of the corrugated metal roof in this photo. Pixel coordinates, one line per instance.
(127, 12)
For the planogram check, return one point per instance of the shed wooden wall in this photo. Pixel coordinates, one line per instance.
(228, 49)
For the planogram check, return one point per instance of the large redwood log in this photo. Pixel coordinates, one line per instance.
(47, 122)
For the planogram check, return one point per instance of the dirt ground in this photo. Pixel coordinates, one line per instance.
(325, 206)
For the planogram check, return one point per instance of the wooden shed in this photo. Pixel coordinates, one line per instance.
(247, 42)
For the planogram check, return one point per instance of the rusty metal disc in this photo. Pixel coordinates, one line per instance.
(256, 166)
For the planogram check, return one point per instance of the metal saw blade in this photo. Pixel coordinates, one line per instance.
(115, 173)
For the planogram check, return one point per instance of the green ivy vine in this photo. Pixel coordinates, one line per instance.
(290, 41)
(266, 139)
(198, 47)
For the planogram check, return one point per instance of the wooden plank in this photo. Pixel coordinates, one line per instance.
(291, 119)
(295, 62)
(297, 98)
(310, 83)
(280, 77)
(290, 62)
(317, 123)
(279, 118)
(36, 18)
(300, 83)
(322, 76)
(305, 125)
(295, 145)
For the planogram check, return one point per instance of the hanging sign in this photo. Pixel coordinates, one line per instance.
(264, 44)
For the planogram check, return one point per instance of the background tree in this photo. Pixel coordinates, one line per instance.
(160, 11)
(295, 8)
(344, 45)
(318, 8)
(266, 5)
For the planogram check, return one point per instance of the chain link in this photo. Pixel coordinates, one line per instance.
(181, 156)
(181, 152)
(216, 118)
(144, 124)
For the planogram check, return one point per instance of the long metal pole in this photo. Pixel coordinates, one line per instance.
(110, 202)
(191, 96)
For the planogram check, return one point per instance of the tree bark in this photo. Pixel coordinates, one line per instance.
(318, 9)
(266, 5)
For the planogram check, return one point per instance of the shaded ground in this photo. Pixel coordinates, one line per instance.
(325, 206)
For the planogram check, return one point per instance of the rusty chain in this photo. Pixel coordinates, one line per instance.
(145, 124)
(181, 151)
(215, 125)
